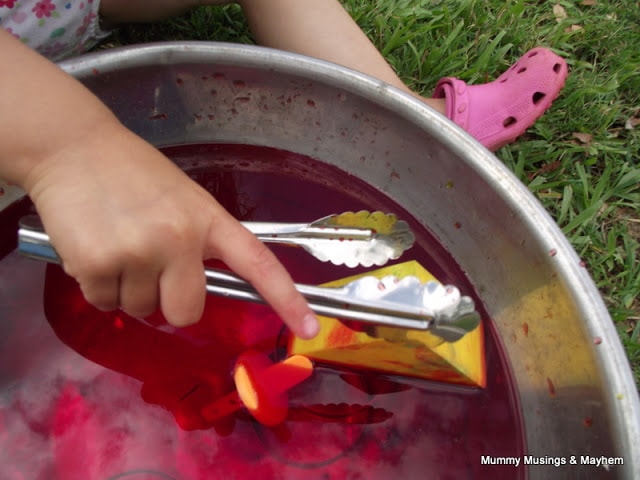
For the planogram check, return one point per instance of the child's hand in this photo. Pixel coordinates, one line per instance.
(133, 230)
(130, 227)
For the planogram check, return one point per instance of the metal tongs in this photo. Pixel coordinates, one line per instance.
(401, 303)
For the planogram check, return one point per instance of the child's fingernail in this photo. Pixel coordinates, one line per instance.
(310, 326)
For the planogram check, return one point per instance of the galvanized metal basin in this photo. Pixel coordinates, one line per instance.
(575, 388)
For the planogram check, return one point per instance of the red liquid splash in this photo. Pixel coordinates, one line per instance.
(88, 395)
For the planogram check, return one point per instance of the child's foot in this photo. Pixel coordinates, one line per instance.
(497, 113)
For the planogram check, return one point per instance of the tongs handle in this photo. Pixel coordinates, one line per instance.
(451, 325)
(279, 232)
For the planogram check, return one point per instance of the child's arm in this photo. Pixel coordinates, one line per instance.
(129, 225)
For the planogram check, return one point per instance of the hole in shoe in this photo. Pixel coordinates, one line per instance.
(537, 97)
(557, 67)
(532, 54)
(522, 70)
(509, 121)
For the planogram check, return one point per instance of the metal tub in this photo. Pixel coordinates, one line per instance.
(576, 392)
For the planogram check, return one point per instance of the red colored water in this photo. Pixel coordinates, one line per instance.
(88, 395)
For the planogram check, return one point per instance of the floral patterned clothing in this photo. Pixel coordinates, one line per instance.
(56, 28)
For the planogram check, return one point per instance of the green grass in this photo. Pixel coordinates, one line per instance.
(582, 159)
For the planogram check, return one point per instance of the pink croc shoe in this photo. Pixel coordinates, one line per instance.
(497, 113)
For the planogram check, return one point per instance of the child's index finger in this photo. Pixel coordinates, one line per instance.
(254, 262)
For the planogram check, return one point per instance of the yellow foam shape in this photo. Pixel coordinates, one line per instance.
(413, 353)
